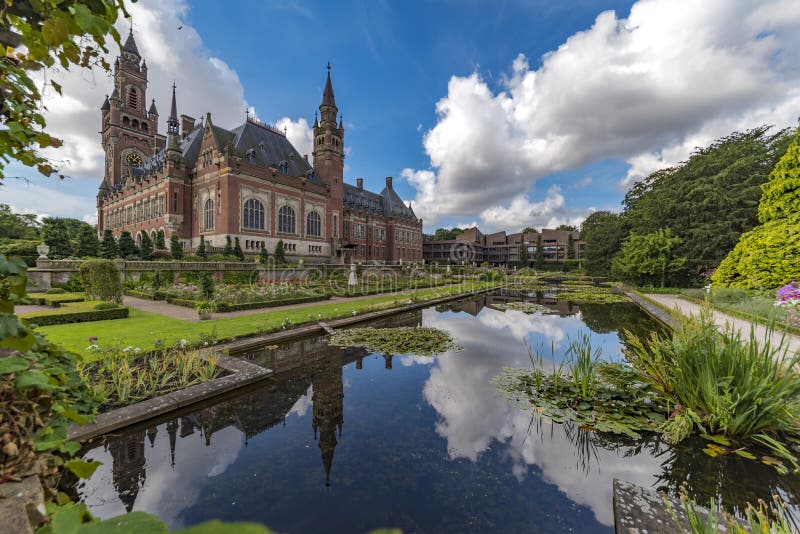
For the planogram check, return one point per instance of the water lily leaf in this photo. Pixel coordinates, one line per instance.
(217, 527)
(82, 468)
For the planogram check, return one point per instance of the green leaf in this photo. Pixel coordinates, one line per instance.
(12, 364)
(68, 519)
(33, 379)
(719, 438)
(218, 527)
(82, 468)
(744, 453)
(132, 523)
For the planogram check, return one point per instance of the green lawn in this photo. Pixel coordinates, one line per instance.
(142, 329)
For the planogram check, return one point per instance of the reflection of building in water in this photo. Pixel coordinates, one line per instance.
(308, 362)
(328, 403)
(128, 471)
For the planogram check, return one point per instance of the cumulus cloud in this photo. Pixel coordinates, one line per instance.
(521, 213)
(647, 89)
(171, 55)
(299, 133)
(57, 200)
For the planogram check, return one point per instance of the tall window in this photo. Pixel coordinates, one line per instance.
(335, 226)
(253, 214)
(313, 224)
(286, 220)
(133, 99)
(208, 214)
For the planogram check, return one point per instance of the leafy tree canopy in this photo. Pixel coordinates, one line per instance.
(38, 34)
(17, 225)
(445, 234)
(649, 258)
(603, 232)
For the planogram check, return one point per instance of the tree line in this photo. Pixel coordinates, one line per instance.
(679, 223)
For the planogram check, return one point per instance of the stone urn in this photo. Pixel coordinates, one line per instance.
(42, 249)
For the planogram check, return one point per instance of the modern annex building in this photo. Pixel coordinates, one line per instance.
(202, 181)
(472, 245)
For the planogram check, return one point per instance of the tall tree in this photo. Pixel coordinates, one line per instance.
(570, 246)
(649, 259)
(445, 234)
(523, 253)
(175, 247)
(37, 35)
(17, 225)
(568, 227)
(768, 256)
(228, 251)
(280, 254)
(160, 244)
(56, 235)
(201, 248)
(108, 247)
(237, 250)
(127, 246)
(88, 244)
(146, 247)
(603, 232)
(263, 255)
(710, 199)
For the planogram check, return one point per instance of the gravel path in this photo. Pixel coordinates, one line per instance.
(687, 307)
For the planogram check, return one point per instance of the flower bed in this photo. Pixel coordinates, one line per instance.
(125, 376)
(79, 312)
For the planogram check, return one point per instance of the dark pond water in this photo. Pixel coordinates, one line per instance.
(345, 441)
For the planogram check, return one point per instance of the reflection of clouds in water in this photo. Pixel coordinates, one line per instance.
(521, 325)
(408, 361)
(472, 416)
(303, 404)
(165, 492)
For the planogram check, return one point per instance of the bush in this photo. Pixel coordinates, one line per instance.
(77, 317)
(238, 277)
(161, 255)
(106, 306)
(56, 291)
(207, 285)
(101, 280)
(73, 285)
(155, 295)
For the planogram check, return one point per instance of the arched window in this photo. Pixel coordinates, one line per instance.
(133, 99)
(145, 127)
(208, 214)
(134, 123)
(313, 224)
(253, 216)
(286, 220)
(126, 121)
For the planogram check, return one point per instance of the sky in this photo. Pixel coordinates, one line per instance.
(497, 114)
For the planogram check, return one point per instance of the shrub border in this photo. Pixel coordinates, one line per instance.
(77, 317)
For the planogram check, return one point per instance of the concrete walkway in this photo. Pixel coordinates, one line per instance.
(162, 307)
(687, 307)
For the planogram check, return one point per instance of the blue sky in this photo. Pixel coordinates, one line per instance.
(547, 110)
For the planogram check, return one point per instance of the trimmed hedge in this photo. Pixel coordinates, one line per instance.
(84, 316)
(225, 307)
(55, 300)
(156, 295)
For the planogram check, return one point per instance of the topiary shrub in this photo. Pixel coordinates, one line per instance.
(106, 306)
(768, 256)
(101, 280)
(56, 291)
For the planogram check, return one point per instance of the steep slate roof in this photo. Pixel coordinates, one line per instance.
(130, 44)
(189, 147)
(260, 145)
(387, 203)
(327, 95)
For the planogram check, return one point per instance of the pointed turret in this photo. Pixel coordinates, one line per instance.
(172, 124)
(106, 105)
(130, 44)
(153, 110)
(341, 122)
(327, 95)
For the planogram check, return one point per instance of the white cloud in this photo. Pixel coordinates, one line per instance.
(204, 83)
(583, 182)
(647, 89)
(299, 133)
(521, 213)
(29, 197)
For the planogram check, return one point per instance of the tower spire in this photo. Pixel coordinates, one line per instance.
(172, 123)
(327, 95)
(130, 44)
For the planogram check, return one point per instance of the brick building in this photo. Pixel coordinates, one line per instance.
(500, 248)
(202, 181)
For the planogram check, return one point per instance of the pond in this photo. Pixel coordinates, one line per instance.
(345, 441)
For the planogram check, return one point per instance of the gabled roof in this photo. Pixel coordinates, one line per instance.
(393, 205)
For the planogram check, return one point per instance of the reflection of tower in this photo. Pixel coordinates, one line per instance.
(328, 400)
(128, 466)
(172, 430)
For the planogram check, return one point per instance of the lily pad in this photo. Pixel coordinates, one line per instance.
(419, 341)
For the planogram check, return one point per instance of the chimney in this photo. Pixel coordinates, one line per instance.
(187, 123)
(360, 183)
(389, 182)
